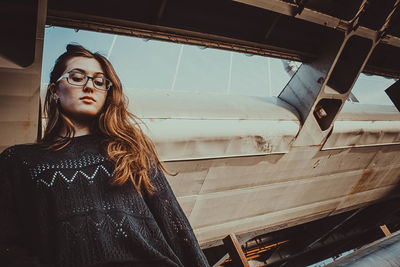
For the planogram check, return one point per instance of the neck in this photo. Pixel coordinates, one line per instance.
(80, 127)
(82, 131)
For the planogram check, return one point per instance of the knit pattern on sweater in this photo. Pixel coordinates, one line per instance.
(58, 208)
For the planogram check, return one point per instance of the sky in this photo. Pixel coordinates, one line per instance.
(152, 65)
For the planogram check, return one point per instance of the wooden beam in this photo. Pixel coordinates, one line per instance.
(235, 251)
(385, 230)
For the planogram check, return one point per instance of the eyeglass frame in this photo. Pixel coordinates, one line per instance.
(66, 75)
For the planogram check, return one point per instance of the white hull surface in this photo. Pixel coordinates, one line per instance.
(239, 173)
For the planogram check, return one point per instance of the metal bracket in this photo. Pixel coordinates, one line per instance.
(386, 26)
(354, 22)
(300, 7)
(319, 89)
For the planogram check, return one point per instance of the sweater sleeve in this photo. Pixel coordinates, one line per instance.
(173, 223)
(13, 249)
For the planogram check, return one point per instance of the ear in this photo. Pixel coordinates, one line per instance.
(53, 90)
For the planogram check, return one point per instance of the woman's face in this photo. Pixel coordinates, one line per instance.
(81, 102)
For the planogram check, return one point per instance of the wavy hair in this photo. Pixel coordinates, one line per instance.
(131, 151)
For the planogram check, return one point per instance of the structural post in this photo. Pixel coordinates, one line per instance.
(235, 251)
(319, 89)
(385, 230)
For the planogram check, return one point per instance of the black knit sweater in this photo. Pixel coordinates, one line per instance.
(58, 209)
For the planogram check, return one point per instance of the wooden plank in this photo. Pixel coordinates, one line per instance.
(385, 230)
(235, 251)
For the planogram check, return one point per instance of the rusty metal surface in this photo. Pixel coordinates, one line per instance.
(228, 182)
(365, 125)
(211, 139)
(363, 133)
(247, 194)
(191, 126)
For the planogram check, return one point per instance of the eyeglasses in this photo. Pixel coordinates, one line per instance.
(78, 78)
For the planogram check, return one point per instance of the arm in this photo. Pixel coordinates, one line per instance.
(173, 223)
(13, 249)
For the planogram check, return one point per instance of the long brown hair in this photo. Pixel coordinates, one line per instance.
(132, 152)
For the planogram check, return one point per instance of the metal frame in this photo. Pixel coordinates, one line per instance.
(319, 89)
(162, 33)
(324, 19)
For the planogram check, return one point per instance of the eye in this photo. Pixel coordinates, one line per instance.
(77, 76)
(99, 81)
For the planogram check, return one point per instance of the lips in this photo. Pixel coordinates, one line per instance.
(88, 98)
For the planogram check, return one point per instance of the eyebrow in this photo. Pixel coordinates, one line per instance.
(84, 71)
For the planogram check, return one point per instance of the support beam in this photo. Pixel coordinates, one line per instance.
(307, 14)
(335, 228)
(235, 251)
(319, 89)
(385, 230)
(163, 33)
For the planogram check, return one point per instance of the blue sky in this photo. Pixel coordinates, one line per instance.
(154, 65)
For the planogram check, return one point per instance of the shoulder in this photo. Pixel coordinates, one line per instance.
(15, 161)
(160, 182)
(156, 174)
(17, 152)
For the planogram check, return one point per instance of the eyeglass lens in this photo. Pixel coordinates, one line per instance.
(79, 78)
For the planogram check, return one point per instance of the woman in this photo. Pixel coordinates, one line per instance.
(92, 192)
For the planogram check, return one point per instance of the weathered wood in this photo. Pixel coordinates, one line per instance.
(385, 230)
(235, 251)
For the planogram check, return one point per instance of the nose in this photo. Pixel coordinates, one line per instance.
(89, 86)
